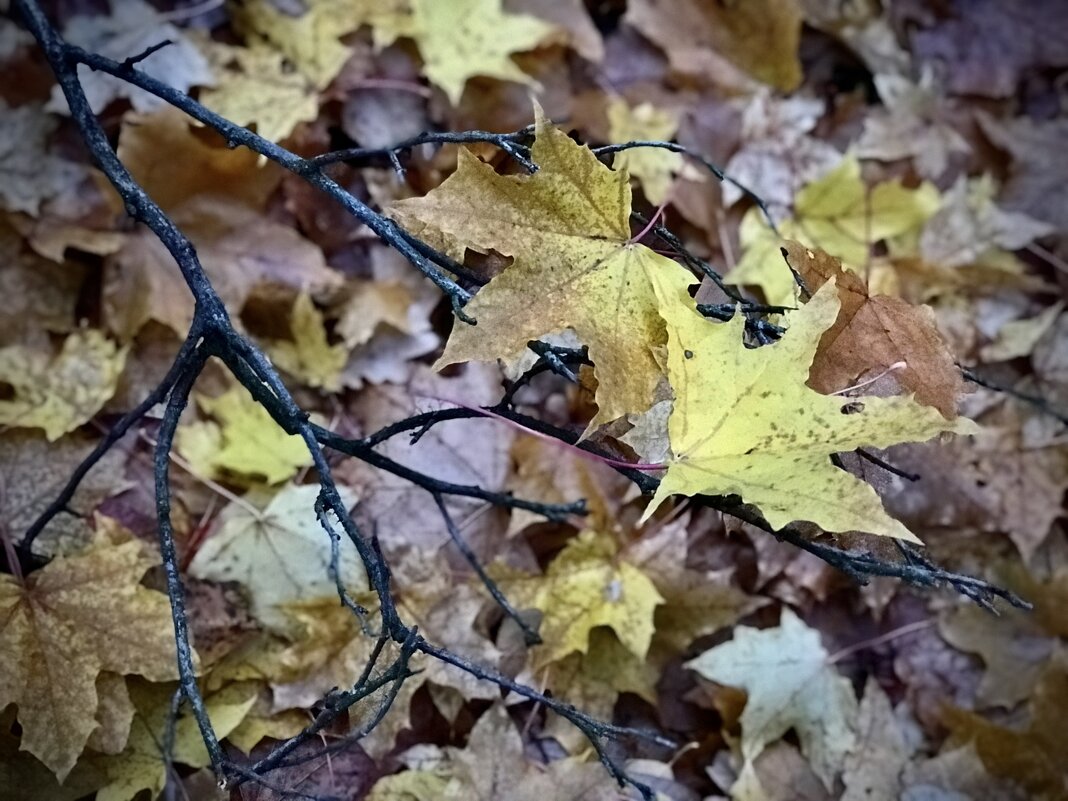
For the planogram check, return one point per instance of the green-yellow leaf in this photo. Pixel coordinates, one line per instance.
(280, 554)
(745, 423)
(567, 227)
(837, 214)
(255, 87)
(143, 765)
(309, 355)
(310, 41)
(654, 167)
(464, 38)
(245, 442)
(59, 393)
(587, 586)
(791, 685)
(75, 617)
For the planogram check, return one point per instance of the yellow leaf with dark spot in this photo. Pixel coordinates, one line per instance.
(744, 423)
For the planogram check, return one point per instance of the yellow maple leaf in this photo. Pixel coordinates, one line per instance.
(836, 214)
(744, 423)
(75, 617)
(254, 86)
(567, 227)
(309, 356)
(791, 685)
(310, 41)
(655, 168)
(245, 441)
(60, 393)
(587, 586)
(464, 38)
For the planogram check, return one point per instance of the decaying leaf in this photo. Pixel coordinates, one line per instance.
(143, 765)
(910, 126)
(567, 227)
(740, 427)
(79, 615)
(493, 766)
(791, 685)
(874, 332)
(29, 173)
(255, 88)
(59, 392)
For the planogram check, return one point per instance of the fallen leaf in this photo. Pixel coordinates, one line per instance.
(592, 682)
(982, 47)
(760, 38)
(254, 87)
(778, 156)
(59, 392)
(969, 225)
(873, 768)
(791, 685)
(465, 38)
(571, 21)
(280, 554)
(131, 28)
(175, 163)
(34, 470)
(872, 333)
(244, 442)
(567, 226)
(1031, 757)
(29, 174)
(740, 426)
(1015, 645)
(1019, 337)
(838, 214)
(958, 773)
(493, 766)
(1037, 150)
(911, 124)
(143, 765)
(75, 617)
(586, 586)
(654, 168)
(309, 356)
(311, 40)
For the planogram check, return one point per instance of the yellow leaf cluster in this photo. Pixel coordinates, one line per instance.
(655, 168)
